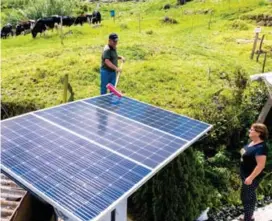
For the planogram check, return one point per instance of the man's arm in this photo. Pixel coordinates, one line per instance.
(112, 66)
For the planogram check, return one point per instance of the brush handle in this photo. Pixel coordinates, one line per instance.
(118, 74)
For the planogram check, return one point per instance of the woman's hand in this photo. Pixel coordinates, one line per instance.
(248, 181)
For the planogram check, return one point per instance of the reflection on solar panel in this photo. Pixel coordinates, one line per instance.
(85, 156)
(136, 141)
(166, 121)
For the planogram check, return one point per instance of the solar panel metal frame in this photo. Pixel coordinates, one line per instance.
(126, 194)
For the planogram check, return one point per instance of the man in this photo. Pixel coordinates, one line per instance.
(109, 66)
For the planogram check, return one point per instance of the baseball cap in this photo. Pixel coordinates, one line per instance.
(113, 37)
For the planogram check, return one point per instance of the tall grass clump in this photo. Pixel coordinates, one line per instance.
(43, 8)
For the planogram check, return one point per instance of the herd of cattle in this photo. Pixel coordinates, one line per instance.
(43, 24)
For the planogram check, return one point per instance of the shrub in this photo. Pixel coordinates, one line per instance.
(239, 25)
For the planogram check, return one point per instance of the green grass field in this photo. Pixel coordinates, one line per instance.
(174, 66)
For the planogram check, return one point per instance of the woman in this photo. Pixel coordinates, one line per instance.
(253, 159)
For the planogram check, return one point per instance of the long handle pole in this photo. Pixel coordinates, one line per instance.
(118, 75)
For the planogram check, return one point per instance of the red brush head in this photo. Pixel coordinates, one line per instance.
(113, 90)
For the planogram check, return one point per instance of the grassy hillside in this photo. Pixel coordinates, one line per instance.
(167, 64)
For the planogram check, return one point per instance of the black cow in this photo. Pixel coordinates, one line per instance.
(81, 19)
(43, 24)
(68, 21)
(93, 18)
(19, 29)
(6, 31)
(25, 26)
(38, 27)
(96, 17)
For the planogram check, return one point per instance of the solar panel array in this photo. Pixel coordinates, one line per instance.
(85, 156)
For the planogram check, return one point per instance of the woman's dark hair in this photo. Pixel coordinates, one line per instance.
(261, 129)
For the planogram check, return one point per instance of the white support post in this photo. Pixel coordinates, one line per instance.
(120, 213)
(267, 107)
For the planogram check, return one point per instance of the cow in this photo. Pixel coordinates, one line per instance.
(93, 18)
(24, 26)
(19, 29)
(6, 31)
(96, 17)
(81, 19)
(68, 21)
(43, 24)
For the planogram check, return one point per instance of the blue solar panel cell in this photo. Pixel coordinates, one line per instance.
(152, 116)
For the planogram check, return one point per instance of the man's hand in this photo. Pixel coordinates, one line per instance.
(118, 70)
(248, 181)
(122, 58)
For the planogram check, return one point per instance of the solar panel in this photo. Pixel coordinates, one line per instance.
(177, 125)
(86, 156)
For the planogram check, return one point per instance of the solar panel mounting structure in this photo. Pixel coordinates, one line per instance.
(85, 158)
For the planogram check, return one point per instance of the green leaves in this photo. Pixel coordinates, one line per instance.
(44, 8)
(178, 192)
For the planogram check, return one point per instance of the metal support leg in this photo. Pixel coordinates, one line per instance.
(59, 214)
(113, 215)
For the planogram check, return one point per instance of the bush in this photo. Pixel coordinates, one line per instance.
(239, 25)
(13, 4)
(124, 26)
(167, 6)
(150, 32)
(14, 16)
(265, 187)
(164, 196)
(169, 20)
(221, 158)
(36, 9)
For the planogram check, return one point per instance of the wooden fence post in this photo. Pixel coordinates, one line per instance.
(257, 31)
(260, 51)
(65, 83)
(61, 31)
(264, 61)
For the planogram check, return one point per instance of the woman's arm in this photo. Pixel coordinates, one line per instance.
(261, 160)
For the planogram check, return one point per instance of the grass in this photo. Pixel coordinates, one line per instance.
(167, 65)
